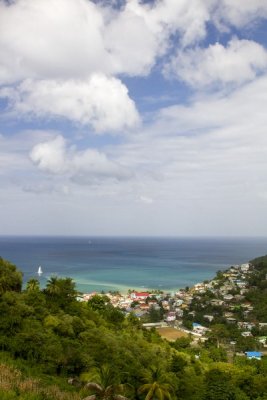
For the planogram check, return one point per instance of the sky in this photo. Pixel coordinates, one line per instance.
(137, 118)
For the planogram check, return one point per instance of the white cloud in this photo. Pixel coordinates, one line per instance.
(209, 158)
(238, 13)
(14, 147)
(71, 39)
(100, 101)
(50, 39)
(141, 33)
(238, 62)
(243, 108)
(50, 156)
(83, 166)
(200, 167)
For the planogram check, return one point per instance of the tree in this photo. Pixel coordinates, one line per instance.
(106, 385)
(182, 343)
(155, 315)
(218, 333)
(33, 285)
(178, 363)
(156, 385)
(61, 291)
(10, 277)
(53, 286)
(219, 386)
(98, 303)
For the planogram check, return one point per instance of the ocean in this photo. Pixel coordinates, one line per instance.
(105, 263)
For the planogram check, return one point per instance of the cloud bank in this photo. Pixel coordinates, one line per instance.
(74, 73)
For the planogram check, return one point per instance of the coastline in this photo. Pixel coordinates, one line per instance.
(122, 264)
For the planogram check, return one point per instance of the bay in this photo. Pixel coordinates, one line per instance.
(120, 263)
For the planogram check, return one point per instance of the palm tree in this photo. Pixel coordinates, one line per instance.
(33, 285)
(111, 392)
(106, 386)
(53, 286)
(156, 386)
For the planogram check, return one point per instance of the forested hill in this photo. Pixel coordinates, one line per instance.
(52, 345)
(257, 294)
(260, 263)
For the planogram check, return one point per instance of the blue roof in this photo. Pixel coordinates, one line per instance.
(253, 353)
(195, 324)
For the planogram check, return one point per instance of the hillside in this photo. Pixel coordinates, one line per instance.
(49, 340)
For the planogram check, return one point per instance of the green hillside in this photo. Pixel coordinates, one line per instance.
(52, 345)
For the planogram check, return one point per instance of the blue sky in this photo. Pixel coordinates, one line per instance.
(133, 118)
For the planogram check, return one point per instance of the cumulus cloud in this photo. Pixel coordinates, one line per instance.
(142, 32)
(52, 39)
(194, 165)
(100, 101)
(60, 58)
(238, 13)
(73, 39)
(238, 62)
(83, 166)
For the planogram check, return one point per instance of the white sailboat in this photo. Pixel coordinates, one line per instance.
(39, 270)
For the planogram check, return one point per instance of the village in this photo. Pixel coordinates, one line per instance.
(193, 312)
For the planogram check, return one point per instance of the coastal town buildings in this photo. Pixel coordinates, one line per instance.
(197, 309)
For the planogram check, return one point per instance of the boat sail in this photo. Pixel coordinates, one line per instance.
(40, 270)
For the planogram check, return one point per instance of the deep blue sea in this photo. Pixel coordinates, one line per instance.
(98, 263)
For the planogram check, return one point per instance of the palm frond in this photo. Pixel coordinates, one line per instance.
(94, 386)
(120, 397)
(144, 388)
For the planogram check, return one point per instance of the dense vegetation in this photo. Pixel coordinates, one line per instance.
(52, 345)
(258, 293)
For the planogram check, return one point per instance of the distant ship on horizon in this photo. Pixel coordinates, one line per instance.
(40, 271)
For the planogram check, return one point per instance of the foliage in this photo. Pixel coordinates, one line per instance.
(10, 277)
(157, 384)
(47, 336)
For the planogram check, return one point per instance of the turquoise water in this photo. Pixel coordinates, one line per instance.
(123, 263)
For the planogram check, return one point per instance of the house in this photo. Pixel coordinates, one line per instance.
(88, 296)
(244, 267)
(152, 325)
(208, 317)
(154, 306)
(139, 296)
(198, 328)
(216, 302)
(179, 312)
(246, 325)
(241, 284)
(254, 354)
(246, 334)
(262, 339)
(171, 316)
(178, 302)
(228, 297)
(144, 307)
(231, 320)
(192, 313)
